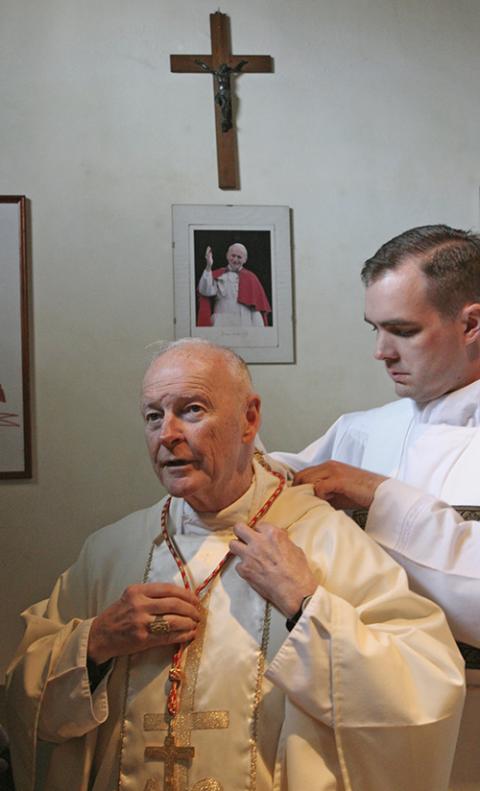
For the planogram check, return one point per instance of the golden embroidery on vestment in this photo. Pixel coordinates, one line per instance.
(186, 720)
(207, 720)
(155, 722)
(192, 661)
(123, 734)
(258, 695)
(207, 784)
(196, 720)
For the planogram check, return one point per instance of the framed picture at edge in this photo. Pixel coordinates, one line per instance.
(15, 427)
(250, 311)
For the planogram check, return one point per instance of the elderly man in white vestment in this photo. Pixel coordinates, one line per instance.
(240, 634)
(405, 461)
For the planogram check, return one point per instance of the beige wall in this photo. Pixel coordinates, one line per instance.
(369, 125)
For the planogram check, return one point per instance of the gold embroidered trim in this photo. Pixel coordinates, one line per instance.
(192, 661)
(155, 722)
(258, 695)
(181, 724)
(207, 784)
(185, 721)
(212, 719)
(207, 720)
(197, 720)
(123, 735)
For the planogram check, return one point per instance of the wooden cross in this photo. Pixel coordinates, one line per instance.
(222, 65)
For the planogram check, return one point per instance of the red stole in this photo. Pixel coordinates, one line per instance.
(250, 294)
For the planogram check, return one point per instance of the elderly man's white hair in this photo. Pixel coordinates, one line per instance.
(233, 362)
(242, 246)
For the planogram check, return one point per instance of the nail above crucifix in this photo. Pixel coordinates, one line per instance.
(223, 66)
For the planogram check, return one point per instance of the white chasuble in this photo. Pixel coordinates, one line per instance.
(364, 694)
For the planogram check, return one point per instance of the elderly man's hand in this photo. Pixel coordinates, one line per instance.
(122, 628)
(273, 565)
(341, 484)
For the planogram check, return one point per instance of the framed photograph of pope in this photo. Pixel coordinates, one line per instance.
(15, 439)
(233, 279)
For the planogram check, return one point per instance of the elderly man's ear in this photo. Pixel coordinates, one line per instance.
(252, 418)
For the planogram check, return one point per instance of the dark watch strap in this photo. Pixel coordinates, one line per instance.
(290, 622)
(96, 673)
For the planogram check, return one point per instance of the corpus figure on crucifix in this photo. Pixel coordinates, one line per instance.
(238, 634)
(223, 88)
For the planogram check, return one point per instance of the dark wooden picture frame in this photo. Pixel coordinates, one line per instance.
(15, 414)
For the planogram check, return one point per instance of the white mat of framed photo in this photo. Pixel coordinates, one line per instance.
(264, 232)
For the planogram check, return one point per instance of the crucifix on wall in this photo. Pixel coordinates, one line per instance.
(224, 68)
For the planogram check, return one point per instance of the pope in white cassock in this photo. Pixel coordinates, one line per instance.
(163, 659)
(239, 297)
(405, 461)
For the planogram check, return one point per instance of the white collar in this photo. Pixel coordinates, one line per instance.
(195, 522)
(191, 521)
(458, 408)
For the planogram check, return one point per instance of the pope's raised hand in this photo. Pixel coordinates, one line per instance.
(124, 627)
(209, 258)
(341, 484)
(273, 565)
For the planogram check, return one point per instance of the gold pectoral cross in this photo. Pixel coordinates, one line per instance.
(173, 755)
(170, 753)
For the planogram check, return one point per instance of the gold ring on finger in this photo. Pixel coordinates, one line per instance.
(159, 625)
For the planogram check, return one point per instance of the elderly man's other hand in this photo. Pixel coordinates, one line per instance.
(273, 565)
(125, 627)
(341, 484)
